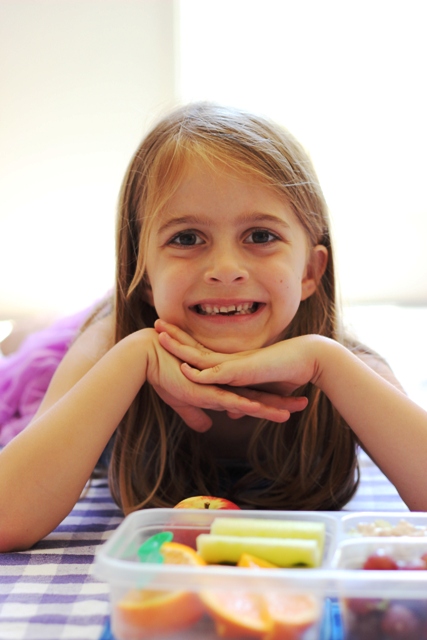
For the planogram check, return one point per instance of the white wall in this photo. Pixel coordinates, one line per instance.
(80, 82)
(82, 79)
(348, 78)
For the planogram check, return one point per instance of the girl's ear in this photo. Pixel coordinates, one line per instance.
(316, 266)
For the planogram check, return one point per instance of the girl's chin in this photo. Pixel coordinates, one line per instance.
(232, 345)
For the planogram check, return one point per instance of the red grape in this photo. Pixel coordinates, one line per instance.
(380, 561)
(400, 622)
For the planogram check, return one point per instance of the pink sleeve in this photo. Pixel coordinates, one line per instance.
(25, 375)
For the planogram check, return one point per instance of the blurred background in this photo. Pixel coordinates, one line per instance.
(82, 81)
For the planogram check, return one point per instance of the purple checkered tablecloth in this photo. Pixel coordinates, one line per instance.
(50, 592)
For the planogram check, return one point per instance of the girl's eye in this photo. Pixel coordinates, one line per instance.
(186, 239)
(261, 236)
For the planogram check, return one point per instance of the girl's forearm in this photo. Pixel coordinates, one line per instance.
(391, 427)
(45, 468)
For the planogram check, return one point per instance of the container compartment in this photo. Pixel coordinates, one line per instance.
(383, 604)
(384, 524)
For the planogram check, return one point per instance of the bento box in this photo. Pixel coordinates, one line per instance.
(182, 598)
(192, 601)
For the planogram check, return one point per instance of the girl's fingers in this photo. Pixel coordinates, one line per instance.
(271, 402)
(211, 390)
(194, 418)
(260, 405)
(195, 353)
(235, 416)
(288, 403)
(191, 402)
(174, 332)
(257, 404)
(232, 373)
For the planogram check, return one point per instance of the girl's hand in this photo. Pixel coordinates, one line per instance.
(188, 398)
(280, 368)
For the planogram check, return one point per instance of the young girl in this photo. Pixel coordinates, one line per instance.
(224, 307)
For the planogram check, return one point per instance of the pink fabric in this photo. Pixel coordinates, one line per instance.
(25, 375)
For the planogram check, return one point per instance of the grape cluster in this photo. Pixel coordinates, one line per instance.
(380, 619)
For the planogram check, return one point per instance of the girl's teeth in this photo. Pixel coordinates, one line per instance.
(241, 309)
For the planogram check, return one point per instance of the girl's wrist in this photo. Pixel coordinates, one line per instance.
(329, 357)
(337, 365)
(136, 349)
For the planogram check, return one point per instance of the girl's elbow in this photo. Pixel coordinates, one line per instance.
(14, 538)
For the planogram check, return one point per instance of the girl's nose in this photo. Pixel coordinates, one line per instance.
(226, 268)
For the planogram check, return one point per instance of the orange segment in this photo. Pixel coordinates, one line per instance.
(237, 613)
(177, 553)
(253, 562)
(147, 613)
(291, 614)
(154, 613)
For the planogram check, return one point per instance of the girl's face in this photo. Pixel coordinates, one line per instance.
(228, 261)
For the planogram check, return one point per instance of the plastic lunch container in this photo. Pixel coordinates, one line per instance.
(194, 602)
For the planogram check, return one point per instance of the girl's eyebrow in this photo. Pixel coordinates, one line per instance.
(266, 217)
(243, 219)
(186, 220)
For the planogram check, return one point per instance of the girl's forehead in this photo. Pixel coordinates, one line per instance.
(205, 187)
(214, 195)
(203, 171)
(195, 172)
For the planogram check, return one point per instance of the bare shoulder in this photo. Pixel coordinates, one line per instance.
(84, 353)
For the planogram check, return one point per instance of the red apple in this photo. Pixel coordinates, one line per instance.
(188, 536)
(206, 502)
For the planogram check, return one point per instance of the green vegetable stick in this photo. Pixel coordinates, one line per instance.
(261, 528)
(285, 552)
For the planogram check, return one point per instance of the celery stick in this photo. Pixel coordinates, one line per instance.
(262, 527)
(285, 552)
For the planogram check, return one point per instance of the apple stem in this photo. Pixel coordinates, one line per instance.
(206, 505)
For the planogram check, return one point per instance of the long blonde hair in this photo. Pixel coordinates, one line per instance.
(157, 460)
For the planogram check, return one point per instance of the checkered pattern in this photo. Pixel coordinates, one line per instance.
(375, 492)
(50, 592)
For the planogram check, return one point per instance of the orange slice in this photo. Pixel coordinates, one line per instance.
(177, 553)
(291, 614)
(267, 616)
(237, 613)
(147, 613)
(253, 562)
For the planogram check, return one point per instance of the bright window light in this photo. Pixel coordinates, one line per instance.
(348, 79)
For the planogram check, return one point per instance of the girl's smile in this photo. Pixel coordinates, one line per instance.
(228, 261)
(218, 308)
